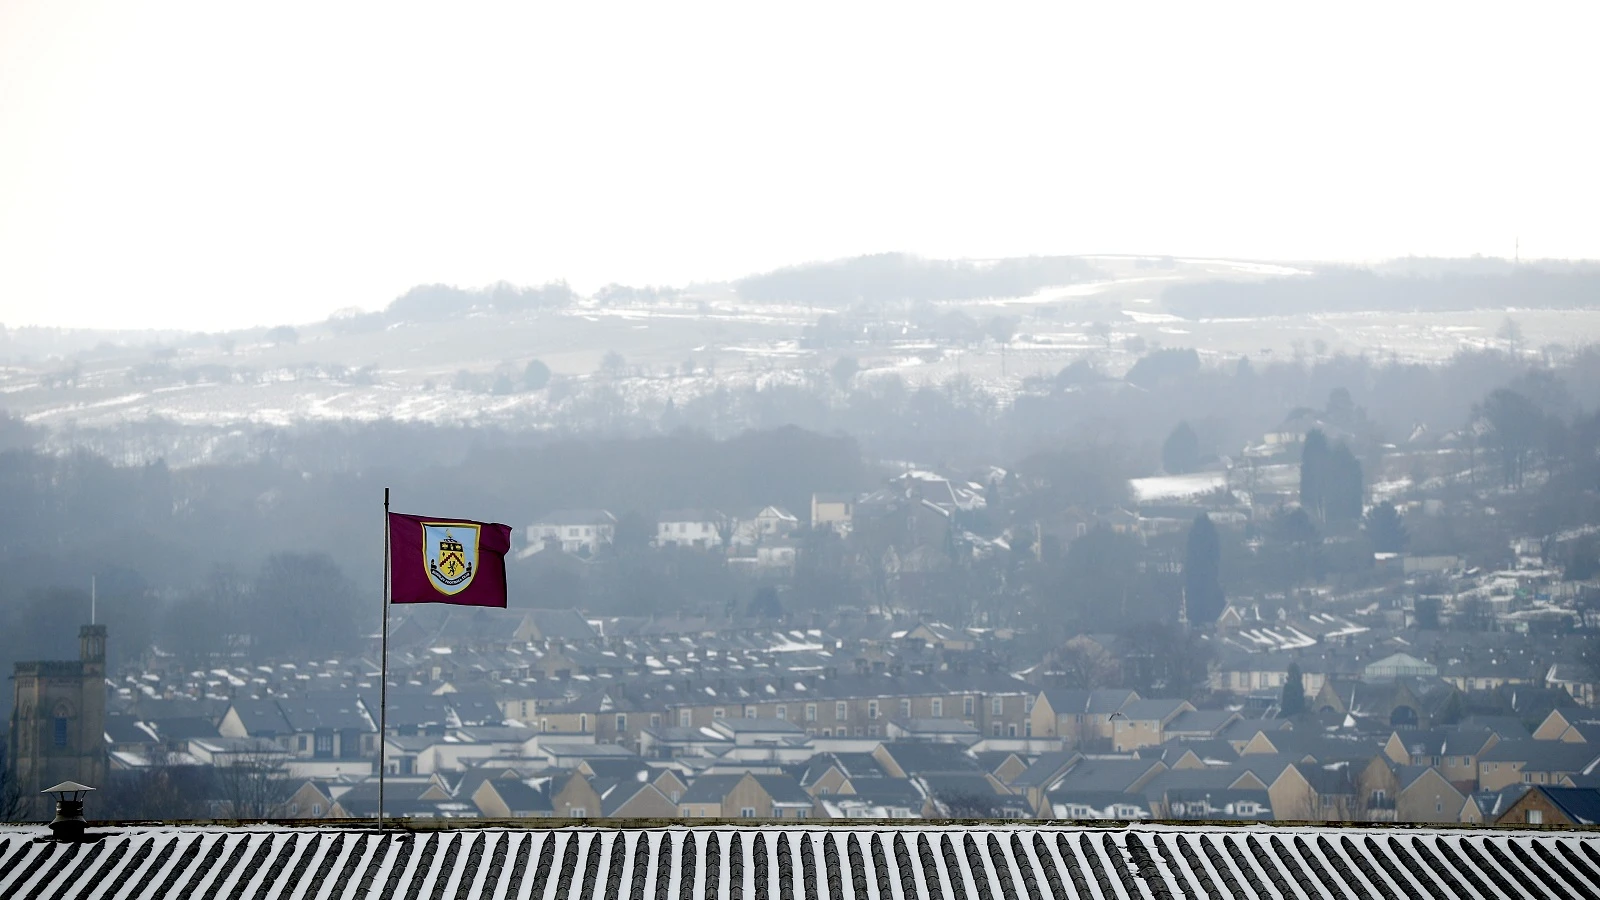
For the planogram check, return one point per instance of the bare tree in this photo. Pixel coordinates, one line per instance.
(167, 789)
(13, 808)
(1103, 331)
(1086, 665)
(254, 785)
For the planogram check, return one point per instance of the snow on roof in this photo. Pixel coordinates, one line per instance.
(1000, 861)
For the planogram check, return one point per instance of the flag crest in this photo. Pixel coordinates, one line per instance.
(450, 550)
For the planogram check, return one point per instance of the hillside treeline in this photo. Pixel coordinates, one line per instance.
(442, 302)
(1361, 290)
(887, 278)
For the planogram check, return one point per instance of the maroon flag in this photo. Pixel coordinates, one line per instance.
(447, 561)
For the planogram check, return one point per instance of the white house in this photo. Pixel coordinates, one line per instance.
(775, 521)
(580, 531)
(699, 528)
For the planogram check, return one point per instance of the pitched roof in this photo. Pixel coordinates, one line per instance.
(1044, 770)
(618, 794)
(1504, 726)
(126, 730)
(926, 758)
(1580, 805)
(886, 792)
(1201, 721)
(184, 727)
(1159, 709)
(783, 789)
(1549, 756)
(647, 862)
(619, 767)
(1105, 774)
(561, 624)
(260, 717)
(710, 788)
(521, 797)
(326, 710)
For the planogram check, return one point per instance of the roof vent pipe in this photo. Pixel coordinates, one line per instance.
(68, 825)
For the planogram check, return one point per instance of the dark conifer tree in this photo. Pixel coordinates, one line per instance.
(1313, 471)
(1202, 572)
(1180, 454)
(1385, 530)
(1294, 692)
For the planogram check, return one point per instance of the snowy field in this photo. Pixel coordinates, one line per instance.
(1177, 487)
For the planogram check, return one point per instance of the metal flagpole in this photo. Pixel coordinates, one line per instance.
(383, 689)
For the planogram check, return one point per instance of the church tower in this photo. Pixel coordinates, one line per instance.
(58, 720)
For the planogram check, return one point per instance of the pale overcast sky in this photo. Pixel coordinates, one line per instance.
(211, 164)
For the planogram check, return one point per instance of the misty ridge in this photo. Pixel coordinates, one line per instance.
(890, 358)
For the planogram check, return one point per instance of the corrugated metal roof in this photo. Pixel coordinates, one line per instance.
(835, 863)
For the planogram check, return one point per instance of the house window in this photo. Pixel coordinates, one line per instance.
(61, 731)
(304, 743)
(968, 704)
(994, 729)
(1027, 703)
(872, 731)
(872, 709)
(938, 707)
(841, 711)
(655, 720)
(827, 732)
(544, 724)
(719, 713)
(811, 712)
(747, 812)
(997, 706)
(684, 719)
(1011, 731)
(583, 722)
(579, 812)
(316, 809)
(905, 709)
(324, 743)
(1535, 817)
(783, 712)
(294, 809)
(749, 712)
(1027, 728)
(622, 722)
